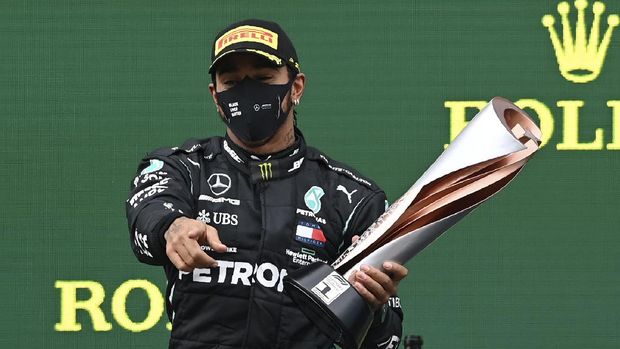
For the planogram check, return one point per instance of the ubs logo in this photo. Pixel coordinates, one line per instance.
(219, 183)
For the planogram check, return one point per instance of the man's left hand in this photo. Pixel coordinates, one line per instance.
(377, 286)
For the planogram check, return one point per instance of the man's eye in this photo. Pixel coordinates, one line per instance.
(230, 82)
(264, 77)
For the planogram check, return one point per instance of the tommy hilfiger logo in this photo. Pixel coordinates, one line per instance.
(580, 59)
(310, 233)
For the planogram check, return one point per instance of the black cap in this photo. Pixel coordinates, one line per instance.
(255, 36)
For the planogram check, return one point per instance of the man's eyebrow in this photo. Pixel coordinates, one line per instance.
(227, 68)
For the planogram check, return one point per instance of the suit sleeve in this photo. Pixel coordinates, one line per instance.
(160, 193)
(386, 329)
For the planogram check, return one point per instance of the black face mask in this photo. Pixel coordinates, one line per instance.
(253, 109)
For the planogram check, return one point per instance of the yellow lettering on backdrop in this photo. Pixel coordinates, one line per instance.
(615, 131)
(458, 112)
(544, 116)
(69, 304)
(571, 129)
(458, 119)
(119, 310)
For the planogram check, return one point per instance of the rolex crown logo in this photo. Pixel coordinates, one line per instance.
(265, 170)
(580, 61)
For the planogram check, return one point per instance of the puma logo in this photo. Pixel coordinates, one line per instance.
(344, 190)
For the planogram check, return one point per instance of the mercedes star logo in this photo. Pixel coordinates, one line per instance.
(219, 183)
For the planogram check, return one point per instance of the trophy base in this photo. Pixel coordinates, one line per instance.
(331, 303)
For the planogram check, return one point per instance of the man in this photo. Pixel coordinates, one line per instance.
(229, 217)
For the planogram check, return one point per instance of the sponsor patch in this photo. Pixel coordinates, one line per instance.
(232, 153)
(219, 183)
(235, 202)
(394, 302)
(246, 33)
(141, 242)
(310, 233)
(308, 251)
(147, 192)
(239, 273)
(312, 198)
(154, 165)
(296, 164)
(331, 287)
(307, 213)
(303, 257)
(148, 177)
(193, 148)
(220, 218)
(343, 189)
(390, 343)
(204, 217)
(266, 172)
(347, 172)
(209, 248)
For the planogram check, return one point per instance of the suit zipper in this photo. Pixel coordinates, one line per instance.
(262, 187)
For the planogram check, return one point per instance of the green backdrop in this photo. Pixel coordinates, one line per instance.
(88, 87)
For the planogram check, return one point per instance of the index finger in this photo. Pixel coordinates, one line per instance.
(395, 270)
(198, 257)
(213, 239)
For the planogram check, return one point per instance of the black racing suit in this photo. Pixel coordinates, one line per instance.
(275, 214)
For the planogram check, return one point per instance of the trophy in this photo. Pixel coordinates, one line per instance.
(489, 152)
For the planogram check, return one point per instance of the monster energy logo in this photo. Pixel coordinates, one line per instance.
(265, 170)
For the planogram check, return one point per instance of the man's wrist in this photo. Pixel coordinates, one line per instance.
(165, 224)
(379, 316)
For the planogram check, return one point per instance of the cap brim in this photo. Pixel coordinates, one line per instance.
(278, 62)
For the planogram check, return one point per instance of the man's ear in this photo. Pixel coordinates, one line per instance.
(217, 105)
(297, 90)
(214, 97)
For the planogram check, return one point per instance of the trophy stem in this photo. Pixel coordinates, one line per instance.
(331, 303)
